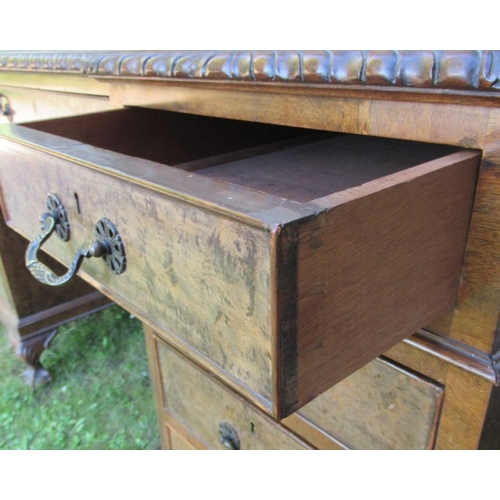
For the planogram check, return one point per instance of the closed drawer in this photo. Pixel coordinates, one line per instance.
(172, 440)
(216, 417)
(280, 259)
(381, 406)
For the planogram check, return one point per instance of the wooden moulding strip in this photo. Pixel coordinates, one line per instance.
(64, 83)
(482, 98)
(62, 313)
(151, 342)
(313, 434)
(284, 297)
(496, 355)
(496, 367)
(458, 354)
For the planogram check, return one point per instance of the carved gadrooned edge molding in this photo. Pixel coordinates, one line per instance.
(76, 62)
(463, 70)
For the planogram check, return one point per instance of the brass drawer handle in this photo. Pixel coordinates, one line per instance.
(6, 108)
(41, 272)
(229, 437)
(108, 245)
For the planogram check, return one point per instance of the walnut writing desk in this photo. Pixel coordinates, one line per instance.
(310, 238)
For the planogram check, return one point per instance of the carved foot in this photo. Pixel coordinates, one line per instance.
(29, 350)
(36, 377)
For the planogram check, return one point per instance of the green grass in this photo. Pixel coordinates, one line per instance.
(100, 397)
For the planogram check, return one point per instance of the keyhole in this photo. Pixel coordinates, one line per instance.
(77, 204)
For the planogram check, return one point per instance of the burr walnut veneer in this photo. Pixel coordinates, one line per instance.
(310, 237)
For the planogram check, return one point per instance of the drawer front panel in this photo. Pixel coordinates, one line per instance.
(201, 404)
(176, 442)
(380, 406)
(202, 277)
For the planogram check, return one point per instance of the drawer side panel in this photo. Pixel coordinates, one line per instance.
(376, 267)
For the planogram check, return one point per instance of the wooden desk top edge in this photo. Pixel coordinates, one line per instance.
(475, 71)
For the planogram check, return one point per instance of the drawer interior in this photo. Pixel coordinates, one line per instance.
(176, 139)
(292, 163)
(326, 165)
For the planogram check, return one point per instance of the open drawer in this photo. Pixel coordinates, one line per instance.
(280, 259)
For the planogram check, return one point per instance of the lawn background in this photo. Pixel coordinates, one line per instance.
(100, 397)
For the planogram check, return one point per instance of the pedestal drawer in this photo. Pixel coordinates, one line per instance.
(381, 406)
(213, 414)
(173, 441)
(278, 258)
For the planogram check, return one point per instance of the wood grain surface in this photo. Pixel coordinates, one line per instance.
(30, 105)
(430, 96)
(476, 318)
(67, 84)
(380, 406)
(177, 442)
(464, 410)
(201, 404)
(396, 249)
(202, 277)
(227, 287)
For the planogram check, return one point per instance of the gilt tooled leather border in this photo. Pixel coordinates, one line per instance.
(434, 69)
